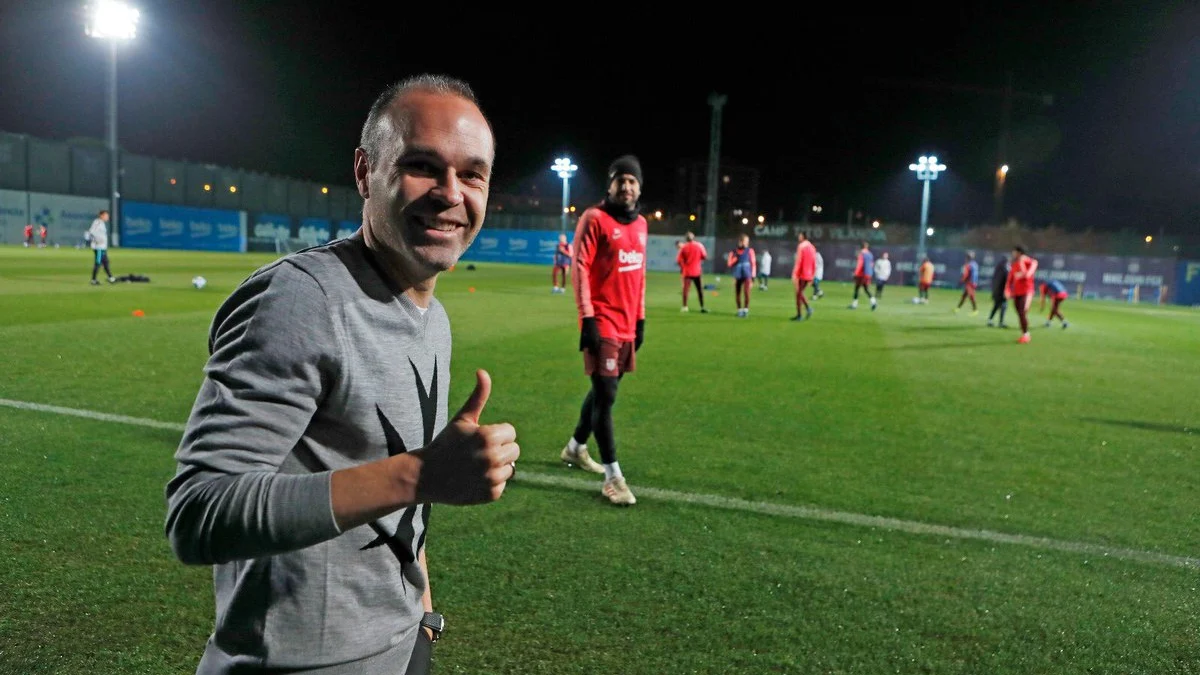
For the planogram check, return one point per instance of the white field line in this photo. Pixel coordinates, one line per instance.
(746, 506)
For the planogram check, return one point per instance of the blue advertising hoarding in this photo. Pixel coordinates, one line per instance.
(1187, 279)
(347, 228)
(314, 231)
(514, 246)
(146, 225)
(272, 226)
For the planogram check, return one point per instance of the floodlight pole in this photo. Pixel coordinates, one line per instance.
(566, 202)
(716, 101)
(112, 20)
(114, 164)
(565, 169)
(927, 169)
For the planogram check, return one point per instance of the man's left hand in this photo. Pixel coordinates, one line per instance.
(641, 335)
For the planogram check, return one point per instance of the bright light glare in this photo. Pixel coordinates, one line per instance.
(112, 19)
(1004, 169)
(563, 167)
(927, 168)
(745, 221)
(875, 224)
(929, 232)
(1149, 239)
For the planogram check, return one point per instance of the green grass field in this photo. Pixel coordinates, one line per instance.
(1082, 445)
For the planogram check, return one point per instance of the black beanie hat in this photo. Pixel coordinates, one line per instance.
(625, 164)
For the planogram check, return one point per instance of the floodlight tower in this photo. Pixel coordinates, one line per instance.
(717, 101)
(116, 22)
(565, 169)
(927, 169)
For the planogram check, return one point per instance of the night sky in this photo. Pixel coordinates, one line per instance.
(836, 105)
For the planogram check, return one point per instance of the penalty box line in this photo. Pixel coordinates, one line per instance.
(743, 505)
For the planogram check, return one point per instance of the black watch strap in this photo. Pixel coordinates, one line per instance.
(435, 622)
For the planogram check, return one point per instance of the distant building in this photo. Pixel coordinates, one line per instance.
(525, 203)
(737, 190)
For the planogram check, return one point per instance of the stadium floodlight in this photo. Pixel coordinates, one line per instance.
(116, 22)
(565, 169)
(927, 169)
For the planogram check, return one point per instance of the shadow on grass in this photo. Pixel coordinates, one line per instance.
(1144, 426)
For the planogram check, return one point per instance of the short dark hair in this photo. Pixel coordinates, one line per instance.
(1019, 249)
(103, 212)
(371, 139)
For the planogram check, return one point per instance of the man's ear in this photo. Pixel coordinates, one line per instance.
(362, 168)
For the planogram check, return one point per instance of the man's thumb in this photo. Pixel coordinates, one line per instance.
(473, 408)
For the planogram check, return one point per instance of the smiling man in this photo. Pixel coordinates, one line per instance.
(320, 435)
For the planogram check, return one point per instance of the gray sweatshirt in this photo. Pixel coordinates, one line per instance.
(317, 363)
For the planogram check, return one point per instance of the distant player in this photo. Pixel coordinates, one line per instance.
(1058, 293)
(764, 270)
(883, 272)
(97, 237)
(43, 233)
(863, 269)
(1020, 288)
(744, 268)
(690, 259)
(999, 282)
(970, 280)
(924, 281)
(818, 276)
(803, 273)
(28, 235)
(562, 263)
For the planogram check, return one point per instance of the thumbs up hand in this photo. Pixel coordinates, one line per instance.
(468, 463)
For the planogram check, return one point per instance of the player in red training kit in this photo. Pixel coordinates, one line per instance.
(609, 277)
(562, 262)
(690, 258)
(802, 275)
(1058, 293)
(28, 235)
(1020, 288)
(744, 267)
(970, 281)
(863, 269)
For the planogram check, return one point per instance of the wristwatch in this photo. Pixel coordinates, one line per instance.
(435, 622)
